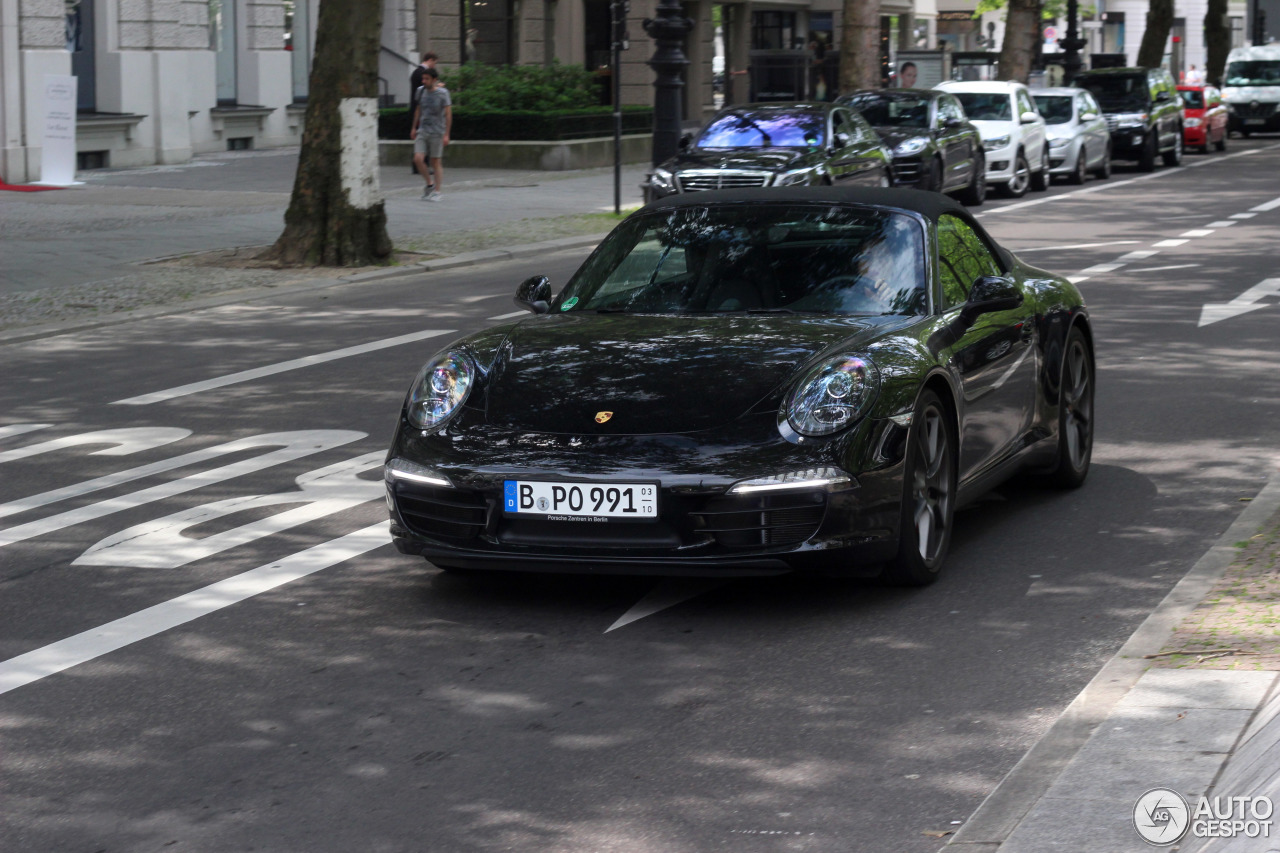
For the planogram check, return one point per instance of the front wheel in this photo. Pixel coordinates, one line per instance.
(976, 193)
(1081, 172)
(1104, 169)
(1075, 413)
(1174, 157)
(928, 499)
(1040, 180)
(1021, 178)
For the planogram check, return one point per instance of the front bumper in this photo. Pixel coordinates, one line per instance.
(1128, 143)
(1062, 161)
(701, 528)
(1000, 164)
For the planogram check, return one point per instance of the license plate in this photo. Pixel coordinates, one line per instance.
(580, 501)
(1255, 121)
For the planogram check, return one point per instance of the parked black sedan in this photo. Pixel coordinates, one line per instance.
(775, 145)
(934, 146)
(749, 382)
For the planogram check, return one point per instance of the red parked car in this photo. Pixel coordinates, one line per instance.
(1205, 118)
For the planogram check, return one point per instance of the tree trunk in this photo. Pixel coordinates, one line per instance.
(336, 216)
(1217, 41)
(860, 46)
(1021, 32)
(1156, 35)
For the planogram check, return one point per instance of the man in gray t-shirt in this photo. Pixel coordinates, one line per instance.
(432, 121)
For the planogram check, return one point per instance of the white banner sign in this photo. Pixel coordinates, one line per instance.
(58, 155)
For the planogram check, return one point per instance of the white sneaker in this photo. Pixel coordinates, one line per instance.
(427, 191)
(434, 196)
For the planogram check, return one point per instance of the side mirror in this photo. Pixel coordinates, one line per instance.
(1029, 117)
(686, 141)
(534, 294)
(991, 293)
(1163, 97)
(842, 139)
(952, 121)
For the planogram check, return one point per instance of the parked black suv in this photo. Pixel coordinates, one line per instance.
(1143, 112)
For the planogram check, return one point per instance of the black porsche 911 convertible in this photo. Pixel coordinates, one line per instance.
(748, 383)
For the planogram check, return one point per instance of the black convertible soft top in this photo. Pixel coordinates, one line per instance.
(930, 205)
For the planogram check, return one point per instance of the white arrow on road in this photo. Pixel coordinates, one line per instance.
(1213, 312)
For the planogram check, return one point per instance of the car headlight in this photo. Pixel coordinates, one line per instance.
(795, 176)
(911, 146)
(441, 387)
(661, 179)
(1059, 142)
(1131, 120)
(1193, 122)
(832, 395)
(996, 142)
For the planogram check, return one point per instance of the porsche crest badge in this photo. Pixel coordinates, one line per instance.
(601, 417)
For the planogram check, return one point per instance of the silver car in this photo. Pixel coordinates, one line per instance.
(1079, 142)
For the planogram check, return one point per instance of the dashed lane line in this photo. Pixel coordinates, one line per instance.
(280, 367)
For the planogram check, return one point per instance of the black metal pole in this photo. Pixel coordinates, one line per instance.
(668, 31)
(1072, 44)
(618, 19)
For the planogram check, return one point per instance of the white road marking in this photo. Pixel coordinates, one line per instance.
(293, 445)
(1053, 248)
(667, 593)
(508, 316)
(1243, 215)
(280, 367)
(1270, 205)
(1244, 303)
(1221, 223)
(160, 544)
(1197, 232)
(1140, 255)
(1111, 266)
(1159, 269)
(96, 642)
(1169, 244)
(1076, 279)
(20, 429)
(122, 442)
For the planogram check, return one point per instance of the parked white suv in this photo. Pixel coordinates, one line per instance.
(1013, 132)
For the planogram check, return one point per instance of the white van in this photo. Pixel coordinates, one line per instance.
(1251, 89)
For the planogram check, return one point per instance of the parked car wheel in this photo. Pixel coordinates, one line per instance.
(1075, 413)
(1221, 144)
(976, 193)
(928, 506)
(1147, 162)
(1174, 157)
(1081, 172)
(1040, 180)
(933, 178)
(1104, 168)
(1017, 186)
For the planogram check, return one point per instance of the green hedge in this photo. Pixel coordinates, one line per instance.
(525, 125)
(522, 87)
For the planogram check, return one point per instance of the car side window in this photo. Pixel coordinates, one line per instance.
(949, 108)
(1024, 103)
(839, 125)
(859, 129)
(1090, 105)
(962, 258)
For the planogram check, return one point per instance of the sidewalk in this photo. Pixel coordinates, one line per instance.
(84, 252)
(1191, 703)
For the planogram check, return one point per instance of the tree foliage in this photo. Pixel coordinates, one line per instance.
(322, 225)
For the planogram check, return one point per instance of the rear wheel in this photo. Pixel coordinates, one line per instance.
(1174, 157)
(1021, 178)
(1075, 413)
(928, 500)
(1081, 172)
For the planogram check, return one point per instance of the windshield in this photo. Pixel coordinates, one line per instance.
(982, 106)
(1118, 93)
(1056, 109)
(888, 111)
(783, 258)
(771, 129)
(1191, 99)
(1258, 72)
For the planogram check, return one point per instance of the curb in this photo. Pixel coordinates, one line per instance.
(465, 259)
(1024, 786)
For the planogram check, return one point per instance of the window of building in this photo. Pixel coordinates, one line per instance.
(222, 40)
(297, 40)
(773, 30)
(1237, 31)
(487, 31)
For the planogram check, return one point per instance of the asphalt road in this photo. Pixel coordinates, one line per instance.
(377, 704)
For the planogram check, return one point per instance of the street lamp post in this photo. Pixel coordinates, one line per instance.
(668, 30)
(1072, 44)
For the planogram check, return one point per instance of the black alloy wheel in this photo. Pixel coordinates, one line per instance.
(928, 499)
(1147, 162)
(976, 192)
(933, 178)
(1103, 172)
(1075, 413)
(1081, 172)
(1174, 157)
(1040, 180)
(1021, 178)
